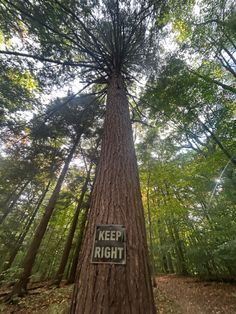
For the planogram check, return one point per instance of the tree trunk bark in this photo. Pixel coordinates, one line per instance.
(20, 287)
(67, 248)
(116, 199)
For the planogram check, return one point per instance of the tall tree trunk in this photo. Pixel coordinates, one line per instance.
(20, 287)
(150, 230)
(70, 236)
(25, 231)
(71, 277)
(116, 199)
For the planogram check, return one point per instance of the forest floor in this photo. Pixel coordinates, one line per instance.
(174, 294)
(187, 295)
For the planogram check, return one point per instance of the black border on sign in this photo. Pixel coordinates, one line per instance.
(112, 263)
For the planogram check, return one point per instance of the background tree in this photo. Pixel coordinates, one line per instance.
(186, 150)
(77, 123)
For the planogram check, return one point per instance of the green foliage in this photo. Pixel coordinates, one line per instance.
(10, 275)
(186, 159)
(17, 92)
(190, 194)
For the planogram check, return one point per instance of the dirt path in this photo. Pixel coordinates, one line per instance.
(173, 295)
(186, 295)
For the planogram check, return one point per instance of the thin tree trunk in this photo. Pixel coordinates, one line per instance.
(209, 79)
(169, 263)
(179, 245)
(50, 273)
(175, 235)
(40, 260)
(150, 231)
(163, 259)
(6, 203)
(71, 277)
(116, 199)
(22, 236)
(69, 263)
(20, 287)
(13, 203)
(218, 142)
(67, 248)
(181, 264)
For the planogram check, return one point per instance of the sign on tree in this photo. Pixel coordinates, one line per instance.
(109, 244)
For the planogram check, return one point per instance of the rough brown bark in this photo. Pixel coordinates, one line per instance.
(20, 287)
(116, 199)
(68, 244)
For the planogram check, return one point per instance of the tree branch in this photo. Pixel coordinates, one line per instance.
(211, 80)
(42, 59)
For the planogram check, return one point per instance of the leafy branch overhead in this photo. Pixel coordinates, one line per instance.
(97, 38)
